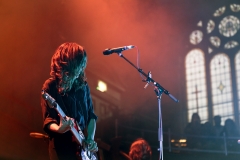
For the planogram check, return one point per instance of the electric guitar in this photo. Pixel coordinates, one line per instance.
(76, 131)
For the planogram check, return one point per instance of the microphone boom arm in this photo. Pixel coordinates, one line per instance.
(150, 79)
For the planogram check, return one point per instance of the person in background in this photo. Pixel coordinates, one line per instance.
(140, 150)
(192, 130)
(208, 133)
(68, 86)
(232, 134)
(218, 128)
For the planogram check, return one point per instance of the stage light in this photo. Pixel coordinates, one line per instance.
(102, 86)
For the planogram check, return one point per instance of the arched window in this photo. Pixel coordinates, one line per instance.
(237, 68)
(196, 84)
(220, 74)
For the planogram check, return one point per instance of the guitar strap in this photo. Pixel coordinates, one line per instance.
(63, 106)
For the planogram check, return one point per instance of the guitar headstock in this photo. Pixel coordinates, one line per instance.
(49, 99)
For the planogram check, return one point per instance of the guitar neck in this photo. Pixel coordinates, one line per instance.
(77, 134)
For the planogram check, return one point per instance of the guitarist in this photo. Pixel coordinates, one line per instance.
(68, 86)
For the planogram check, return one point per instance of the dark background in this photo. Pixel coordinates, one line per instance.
(31, 30)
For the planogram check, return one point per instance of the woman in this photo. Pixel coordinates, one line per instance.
(69, 88)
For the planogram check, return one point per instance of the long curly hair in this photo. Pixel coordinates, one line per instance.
(67, 67)
(140, 150)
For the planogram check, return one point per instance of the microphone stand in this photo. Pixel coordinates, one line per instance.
(159, 90)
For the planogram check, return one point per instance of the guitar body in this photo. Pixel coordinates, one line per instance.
(77, 133)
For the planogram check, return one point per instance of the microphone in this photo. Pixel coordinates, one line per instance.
(117, 50)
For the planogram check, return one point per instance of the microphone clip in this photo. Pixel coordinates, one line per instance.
(147, 79)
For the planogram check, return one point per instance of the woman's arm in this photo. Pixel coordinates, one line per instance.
(64, 126)
(91, 129)
(90, 144)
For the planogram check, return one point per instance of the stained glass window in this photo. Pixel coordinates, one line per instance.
(231, 44)
(237, 68)
(210, 50)
(235, 7)
(196, 84)
(210, 26)
(200, 24)
(219, 12)
(229, 26)
(221, 86)
(215, 41)
(196, 37)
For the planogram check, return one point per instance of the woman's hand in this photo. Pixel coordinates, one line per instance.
(64, 126)
(90, 145)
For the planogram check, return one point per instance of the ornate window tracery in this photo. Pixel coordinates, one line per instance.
(220, 36)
